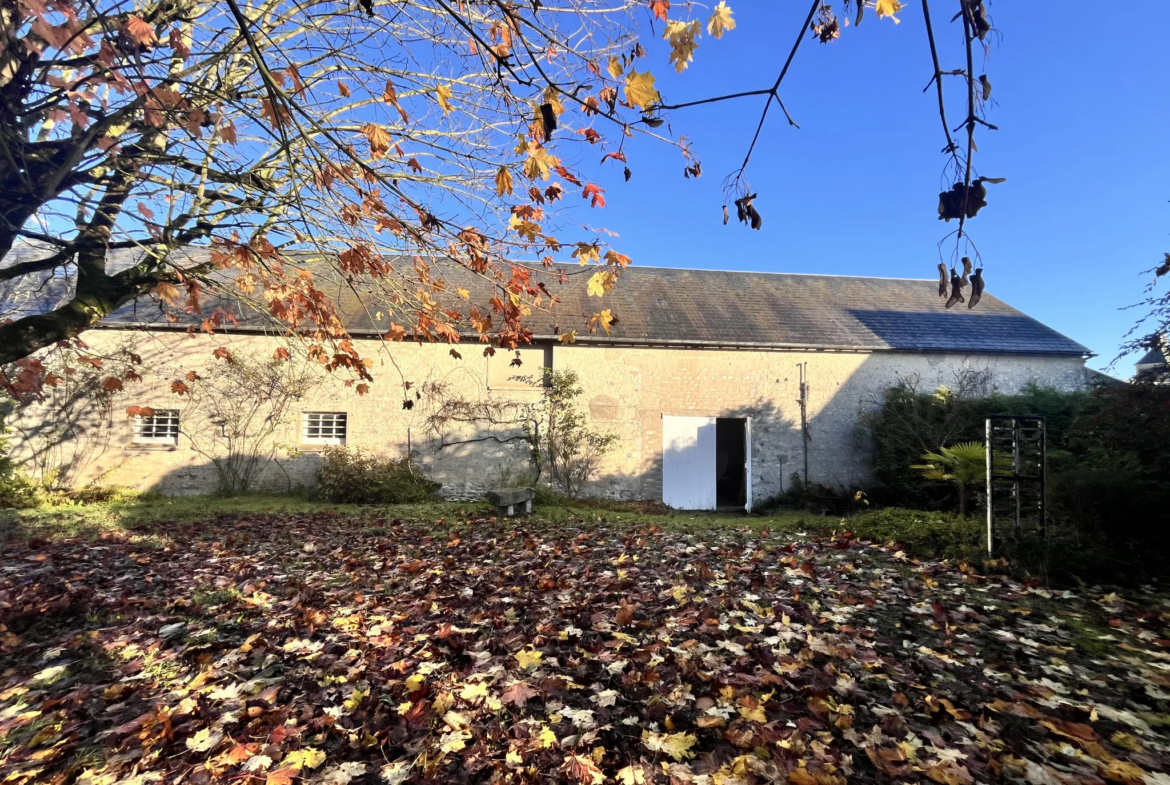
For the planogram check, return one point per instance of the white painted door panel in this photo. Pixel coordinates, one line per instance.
(688, 462)
(747, 460)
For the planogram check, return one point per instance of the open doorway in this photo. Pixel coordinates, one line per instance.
(730, 462)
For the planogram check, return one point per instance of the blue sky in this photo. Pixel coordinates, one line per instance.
(1084, 116)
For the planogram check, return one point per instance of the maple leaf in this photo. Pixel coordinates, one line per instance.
(582, 769)
(281, 353)
(659, 8)
(140, 30)
(221, 353)
(595, 192)
(617, 259)
(615, 67)
(601, 282)
(568, 337)
(167, 292)
(634, 774)
(307, 758)
(529, 659)
(204, 740)
(676, 745)
(888, 8)
(518, 694)
(721, 20)
(111, 384)
(681, 36)
(503, 181)
(443, 96)
(179, 388)
(280, 777)
(341, 775)
(605, 319)
(378, 138)
(640, 90)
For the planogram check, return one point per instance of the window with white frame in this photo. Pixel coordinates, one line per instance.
(324, 427)
(160, 427)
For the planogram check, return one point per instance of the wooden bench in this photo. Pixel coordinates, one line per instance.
(512, 501)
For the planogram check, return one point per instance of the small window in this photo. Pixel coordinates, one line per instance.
(324, 427)
(161, 427)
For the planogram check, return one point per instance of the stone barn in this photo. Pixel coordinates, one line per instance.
(700, 379)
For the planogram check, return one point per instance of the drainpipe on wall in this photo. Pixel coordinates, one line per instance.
(805, 436)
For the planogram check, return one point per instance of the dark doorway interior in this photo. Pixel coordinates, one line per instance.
(730, 447)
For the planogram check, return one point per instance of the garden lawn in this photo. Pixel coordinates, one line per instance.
(329, 646)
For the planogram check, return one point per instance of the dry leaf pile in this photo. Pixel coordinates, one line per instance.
(280, 649)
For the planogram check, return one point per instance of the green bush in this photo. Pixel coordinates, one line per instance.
(1108, 472)
(922, 533)
(359, 477)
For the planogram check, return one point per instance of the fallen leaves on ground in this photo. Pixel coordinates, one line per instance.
(286, 649)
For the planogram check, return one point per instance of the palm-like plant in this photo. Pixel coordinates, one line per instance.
(964, 464)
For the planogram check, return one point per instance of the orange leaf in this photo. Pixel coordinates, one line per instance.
(139, 411)
(595, 192)
(659, 8)
(281, 353)
(179, 388)
(223, 354)
(140, 30)
(111, 384)
(281, 777)
(378, 138)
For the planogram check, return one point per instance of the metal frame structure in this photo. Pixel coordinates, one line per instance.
(1024, 484)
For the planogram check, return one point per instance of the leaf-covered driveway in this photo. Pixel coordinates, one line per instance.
(306, 648)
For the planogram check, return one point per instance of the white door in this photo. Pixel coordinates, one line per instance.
(688, 462)
(747, 460)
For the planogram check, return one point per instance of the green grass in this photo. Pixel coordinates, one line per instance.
(143, 514)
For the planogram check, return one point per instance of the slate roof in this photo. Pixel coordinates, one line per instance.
(670, 306)
(1151, 359)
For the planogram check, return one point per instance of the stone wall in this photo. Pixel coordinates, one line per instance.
(627, 391)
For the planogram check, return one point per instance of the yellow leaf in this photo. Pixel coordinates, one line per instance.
(546, 738)
(503, 181)
(601, 282)
(682, 37)
(754, 714)
(166, 291)
(676, 745)
(308, 758)
(721, 20)
(606, 319)
(633, 774)
(529, 659)
(414, 682)
(473, 692)
(640, 90)
(466, 295)
(539, 163)
(513, 759)
(615, 67)
(569, 337)
(888, 8)
(443, 96)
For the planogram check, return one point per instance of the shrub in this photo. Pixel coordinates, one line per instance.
(359, 477)
(922, 533)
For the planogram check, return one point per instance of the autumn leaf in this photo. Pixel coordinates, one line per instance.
(378, 138)
(595, 192)
(307, 758)
(676, 745)
(518, 694)
(204, 740)
(615, 67)
(281, 353)
(503, 181)
(605, 319)
(600, 283)
(659, 8)
(443, 96)
(634, 774)
(582, 769)
(569, 337)
(280, 777)
(221, 353)
(888, 8)
(640, 90)
(529, 659)
(166, 292)
(721, 20)
(111, 384)
(140, 30)
(681, 36)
